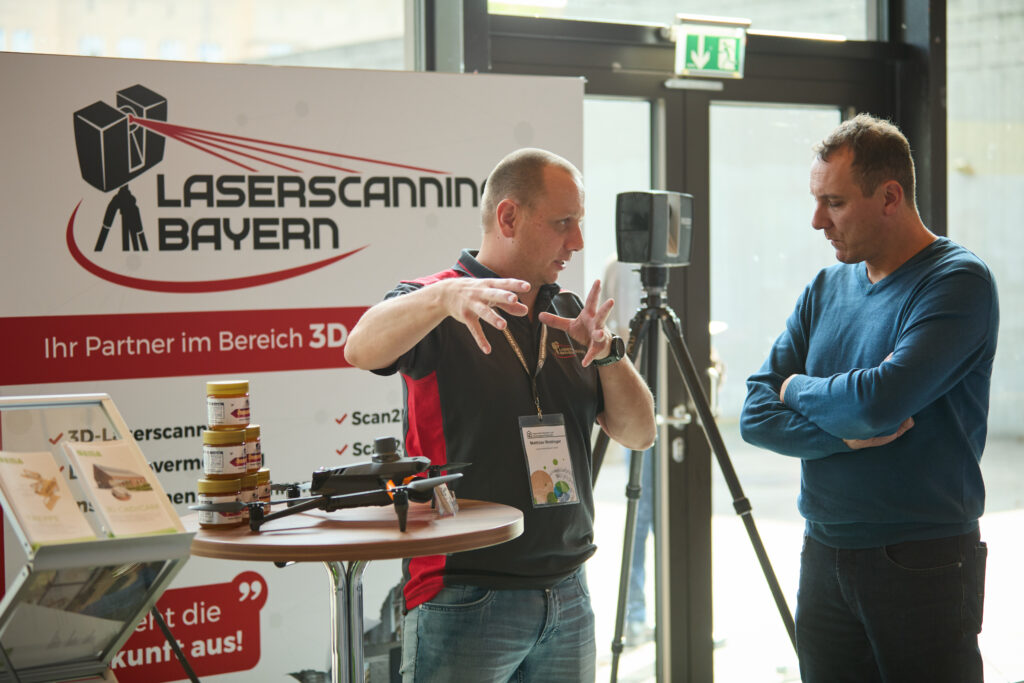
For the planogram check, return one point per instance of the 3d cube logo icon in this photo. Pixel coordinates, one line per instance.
(111, 149)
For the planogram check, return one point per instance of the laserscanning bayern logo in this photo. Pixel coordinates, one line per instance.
(118, 144)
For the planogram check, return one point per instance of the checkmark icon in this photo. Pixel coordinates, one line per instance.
(342, 450)
(341, 419)
(56, 439)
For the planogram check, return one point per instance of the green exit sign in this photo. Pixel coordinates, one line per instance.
(712, 51)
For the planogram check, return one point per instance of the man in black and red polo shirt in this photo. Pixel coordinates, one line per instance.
(505, 370)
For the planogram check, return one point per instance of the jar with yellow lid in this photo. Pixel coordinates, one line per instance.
(224, 455)
(227, 404)
(247, 493)
(263, 488)
(253, 450)
(219, 491)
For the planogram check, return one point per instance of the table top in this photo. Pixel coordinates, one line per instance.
(366, 533)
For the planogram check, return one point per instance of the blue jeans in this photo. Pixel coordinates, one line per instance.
(469, 633)
(905, 612)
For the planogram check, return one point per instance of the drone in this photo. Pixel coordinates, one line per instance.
(349, 486)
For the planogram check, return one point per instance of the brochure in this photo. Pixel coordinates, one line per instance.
(37, 492)
(124, 489)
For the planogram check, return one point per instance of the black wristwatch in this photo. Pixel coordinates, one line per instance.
(617, 353)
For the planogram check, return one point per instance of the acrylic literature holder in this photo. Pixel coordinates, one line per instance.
(69, 604)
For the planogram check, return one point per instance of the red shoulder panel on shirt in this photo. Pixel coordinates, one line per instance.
(436, 277)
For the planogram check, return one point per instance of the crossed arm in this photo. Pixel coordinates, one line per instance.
(941, 338)
(769, 422)
(870, 442)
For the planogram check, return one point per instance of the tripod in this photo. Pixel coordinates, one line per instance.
(643, 334)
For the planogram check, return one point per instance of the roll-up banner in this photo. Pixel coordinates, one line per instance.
(165, 224)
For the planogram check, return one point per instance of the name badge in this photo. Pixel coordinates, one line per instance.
(552, 480)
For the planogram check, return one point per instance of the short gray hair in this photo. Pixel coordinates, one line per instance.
(880, 153)
(519, 176)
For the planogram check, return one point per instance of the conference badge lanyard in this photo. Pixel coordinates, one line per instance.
(544, 443)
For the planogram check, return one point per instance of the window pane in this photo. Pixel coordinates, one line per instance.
(763, 253)
(986, 200)
(843, 17)
(298, 32)
(617, 158)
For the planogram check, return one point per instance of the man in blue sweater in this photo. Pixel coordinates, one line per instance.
(880, 384)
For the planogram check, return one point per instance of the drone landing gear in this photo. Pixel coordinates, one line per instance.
(402, 508)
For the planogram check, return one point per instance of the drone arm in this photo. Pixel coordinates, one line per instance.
(311, 504)
(354, 500)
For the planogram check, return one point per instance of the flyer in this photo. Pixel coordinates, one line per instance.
(126, 492)
(38, 493)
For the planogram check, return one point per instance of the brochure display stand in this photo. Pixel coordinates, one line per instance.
(90, 539)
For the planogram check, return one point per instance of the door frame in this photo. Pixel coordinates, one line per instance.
(901, 77)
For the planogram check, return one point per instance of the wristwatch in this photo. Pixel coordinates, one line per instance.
(617, 353)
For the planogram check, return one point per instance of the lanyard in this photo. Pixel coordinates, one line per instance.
(541, 355)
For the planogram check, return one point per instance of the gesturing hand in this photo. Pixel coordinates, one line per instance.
(470, 300)
(588, 327)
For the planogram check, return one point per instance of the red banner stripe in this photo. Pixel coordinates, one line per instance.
(75, 348)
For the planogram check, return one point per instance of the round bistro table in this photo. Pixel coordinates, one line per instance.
(345, 541)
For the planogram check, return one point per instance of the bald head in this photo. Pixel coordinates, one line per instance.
(519, 177)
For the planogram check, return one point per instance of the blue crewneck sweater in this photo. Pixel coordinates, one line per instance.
(938, 315)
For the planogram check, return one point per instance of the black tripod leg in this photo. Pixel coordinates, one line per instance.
(598, 451)
(174, 644)
(684, 361)
(642, 346)
(637, 325)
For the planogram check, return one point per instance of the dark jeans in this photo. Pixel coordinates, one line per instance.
(901, 613)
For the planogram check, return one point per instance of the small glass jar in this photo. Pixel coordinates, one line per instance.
(219, 491)
(263, 488)
(224, 455)
(247, 494)
(253, 450)
(227, 404)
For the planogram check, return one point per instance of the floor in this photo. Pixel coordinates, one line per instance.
(751, 643)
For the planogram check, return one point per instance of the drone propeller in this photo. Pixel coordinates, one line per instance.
(238, 506)
(421, 485)
(450, 467)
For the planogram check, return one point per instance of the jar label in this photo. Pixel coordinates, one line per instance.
(209, 517)
(254, 455)
(224, 459)
(227, 412)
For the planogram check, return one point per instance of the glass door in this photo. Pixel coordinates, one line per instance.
(634, 62)
(763, 252)
(617, 158)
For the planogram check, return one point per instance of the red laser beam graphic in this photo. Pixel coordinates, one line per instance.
(207, 140)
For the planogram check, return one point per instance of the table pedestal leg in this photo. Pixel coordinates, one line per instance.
(340, 645)
(355, 617)
(346, 621)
